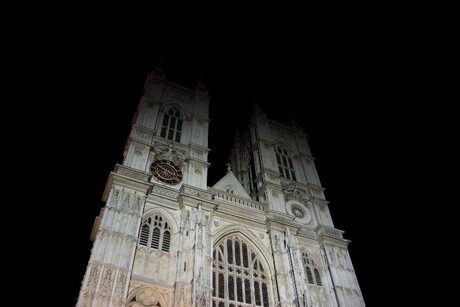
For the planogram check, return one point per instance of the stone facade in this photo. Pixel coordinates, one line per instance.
(260, 236)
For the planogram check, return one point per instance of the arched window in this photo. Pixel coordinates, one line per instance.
(311, 271)
(155, 233)
(172, 125)
(239, 278)
(285, 166)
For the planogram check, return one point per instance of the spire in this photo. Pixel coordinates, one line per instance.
(158, 70)
(256, 109)
(292, 121)
(201, 87)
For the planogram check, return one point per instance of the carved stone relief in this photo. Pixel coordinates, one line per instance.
(145, 298)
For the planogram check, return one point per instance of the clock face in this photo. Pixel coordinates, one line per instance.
(166, 171)
(297, 211)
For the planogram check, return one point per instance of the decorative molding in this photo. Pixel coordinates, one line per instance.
(238, 201)
(161, 201)
(329, 232)
(303, 216)
(169, 152)
(320, 202)
(197, 193)
(142, 136)
(281, 219)
(274, 177)
(150, 102)
(292, 191)
(310, 234)
(138, 150)
(131, 173)
(160, 190)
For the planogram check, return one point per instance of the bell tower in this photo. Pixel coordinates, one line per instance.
(170, 127)
(142, 224)
(274, 164)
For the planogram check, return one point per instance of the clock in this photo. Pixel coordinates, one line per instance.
(297, 211)
(166, 171)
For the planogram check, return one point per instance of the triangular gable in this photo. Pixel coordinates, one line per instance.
(229, 181)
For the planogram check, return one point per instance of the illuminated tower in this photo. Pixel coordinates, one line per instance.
(260, 236)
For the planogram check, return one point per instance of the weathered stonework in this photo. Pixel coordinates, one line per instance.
(257, 237)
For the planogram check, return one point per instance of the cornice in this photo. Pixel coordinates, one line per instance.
(133, 139)
(223, 213)
(141, 128)
(304, 155)
(197, 192)
(325, 234)
(132, 173)
(199, 147)
(124, 176)
(164, 191)
(319, 201)
(280, 218)
(149, 101)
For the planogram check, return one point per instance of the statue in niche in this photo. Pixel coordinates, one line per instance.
(203, 299)
(277, 242)
(199, 216)
(209, 220)
(107, 282)
(92, 276)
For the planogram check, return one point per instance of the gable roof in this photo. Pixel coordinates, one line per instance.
(230, 181)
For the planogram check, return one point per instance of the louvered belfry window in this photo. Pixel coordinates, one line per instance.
(239, 278)
(172, 125)
(155, 233)
(285, 165)
(311, 271)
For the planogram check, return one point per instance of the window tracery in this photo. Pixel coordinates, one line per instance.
(239, 277)
(311, 270)
(285, 165)
(172, 125)
(155, 233)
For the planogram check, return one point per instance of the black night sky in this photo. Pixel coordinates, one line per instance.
(341, 91)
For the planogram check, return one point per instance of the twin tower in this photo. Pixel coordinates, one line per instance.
(260, 236)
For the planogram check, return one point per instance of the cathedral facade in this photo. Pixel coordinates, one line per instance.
(260, 236)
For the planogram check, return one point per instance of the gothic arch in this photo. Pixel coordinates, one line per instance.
(171, 220)
(242, 272)
(146, 296)
(251, 238)
(168, 105)
(283, 143)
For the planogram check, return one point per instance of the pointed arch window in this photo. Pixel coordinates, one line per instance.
(239, 278)
(311, 270)
(285, 165)
(155, 233)
(172, 125)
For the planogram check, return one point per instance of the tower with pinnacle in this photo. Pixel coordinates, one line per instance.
(262, 235)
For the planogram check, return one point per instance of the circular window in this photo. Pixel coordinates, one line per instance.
(297, 211)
